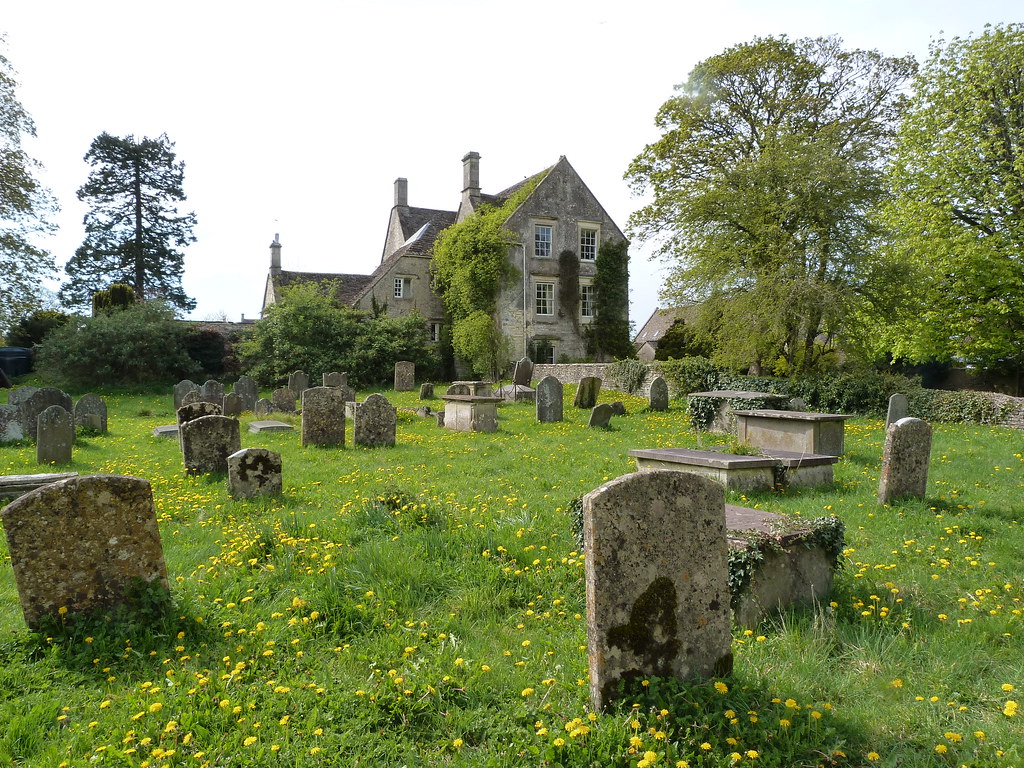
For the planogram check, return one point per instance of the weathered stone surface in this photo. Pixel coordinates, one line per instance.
(181, 389)
(347, 393)
(283, 399)
(166, 430)
(254, 472)
(898, 409)
(91, 413)
(55, 435)
(190, 397)
(471, 413)
(13, 486)
(905, 458)
(458, 389)
(618, 408)
(796, 404)
(10, 424)
(19, 395)
(405, 376)
(232, 405)
(82, 544)
(658, 397)
(247, 389)
(426, 391)
(657, 580)
(298, 382)
(269, 426)
(207, 442)
(263, 407)
(375, 422)
(323, 417)
(522, 374)
(550, 396)
(335, 379)
(212, 391)
(197, 410)
(516, 393)
(600, 415)
(792, 430)
(439, 415)
(587, 392)
(38, 402)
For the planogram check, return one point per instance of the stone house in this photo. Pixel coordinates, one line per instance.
(544, 310)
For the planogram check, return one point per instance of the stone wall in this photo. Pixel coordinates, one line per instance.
(571, 373)
(1014, 419)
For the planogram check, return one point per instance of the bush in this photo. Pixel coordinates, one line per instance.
(31, 330)
(689, 374)
(208, 348)
(962, 408)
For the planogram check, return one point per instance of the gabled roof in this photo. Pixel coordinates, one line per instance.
(345, 288)
(499, 199)
(413, 219)
(660, 321)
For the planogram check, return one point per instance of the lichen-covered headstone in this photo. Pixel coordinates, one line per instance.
(181, 389)
(283, 399)
(191, 397)
(232, 405)
(197, 410)
(19, 395)
(38, 402)
(323, 417)
(426, 391)
(83, 544)
(658, 396)
(522, 374)
(207, 442)
(254, 472)
(247, 389)
(347, 393)
(298, 382)
(405, 376)
(335, 379)
(905, 458)
(898, 408)
(55, 435)
(587, 392)
(10, 424)
(600, 415)
(263, 407)
(550, 395)
(91, 413)
(375, 422)
(657, 581)
(212, 392)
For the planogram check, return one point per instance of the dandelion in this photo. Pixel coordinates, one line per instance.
(873, 756)
(1007, 687)
(249, 741)
(941, 749)
(559, 742)
(527, 692)
(721, 687)
(458, 743)
(156, 706)
(1010, 710)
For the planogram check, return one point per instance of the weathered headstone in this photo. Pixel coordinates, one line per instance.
(207, 442)
(91, 413)
(212, 391)
(323, 417)
(190, 397)
(657, 581)
(10, 424)
(19, 395)
(254, 472)
(439, 415)
(335, 379)
(196, 410)
(600, 415)
(347, 393)
(905, 458)
(83, 544)
(283, 400)
(658, 396)
(55, 434)
(298, 382)
(426, 391)
(898, 409)
(618, 408)
(522, 374)
(550, 394)
(166, 430)
(587, 392)
(232, 405)
(375, 422)
(181, 389)
(247, 389)
(405, 376)
(263, 407)
(38, 402)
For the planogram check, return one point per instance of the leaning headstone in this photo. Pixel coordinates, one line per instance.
(298, 382)
(192, 396)
(91, 413)
(55, 434)
(207, 442)
(232, 405)
(898, 409)
(600, 415)
(586, 394)
(908, 449)
(181, 389)
(522, 374)
(426, 391)
(10, 424)
(254, 472)
(83, 545)
(375, 422)
(38, 402)
(323, 417)
(19, 395)
(335, 379)
(405, 376)
(263, 407)
(212, 391)
(618, 408)
(657, 581)
(283, 400)
(658, 396)
(550, 394)
(247, 389)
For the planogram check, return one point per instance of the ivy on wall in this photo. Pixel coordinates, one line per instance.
(569, 286)
(608, 336)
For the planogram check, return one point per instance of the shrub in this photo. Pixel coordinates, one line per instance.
(31, 330)
(689, 374)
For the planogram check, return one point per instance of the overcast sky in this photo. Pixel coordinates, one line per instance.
(297, 117)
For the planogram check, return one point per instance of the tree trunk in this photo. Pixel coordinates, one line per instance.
(140, 271)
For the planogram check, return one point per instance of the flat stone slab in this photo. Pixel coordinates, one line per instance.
(166, 430)
(776, 468)
(472, 399)
(13, 486)
(270, 426)
(801, 431)
(516, 393)
(770, 413)
(736, 394)
(693, 457)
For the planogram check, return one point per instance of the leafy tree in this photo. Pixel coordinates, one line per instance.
(680, 341)
(770, 158)
(959, 181)
(31, 330)
(608, 336)
(24, 206)
(479, 341)
(117, 297)
(133, 232)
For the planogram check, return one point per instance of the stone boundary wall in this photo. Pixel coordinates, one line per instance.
(1013, 420)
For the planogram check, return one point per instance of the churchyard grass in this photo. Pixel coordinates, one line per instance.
(424, 604)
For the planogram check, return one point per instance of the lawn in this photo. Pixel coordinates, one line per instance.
(424, 605)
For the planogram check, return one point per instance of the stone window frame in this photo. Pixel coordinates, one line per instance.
(587, 287)
(549, 245)
(435, 330)
(547, 300)
(588, 250)
(402, 288)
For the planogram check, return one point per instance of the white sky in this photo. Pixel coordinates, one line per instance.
(297, 117)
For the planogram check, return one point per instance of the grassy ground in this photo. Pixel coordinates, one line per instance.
(423, 605)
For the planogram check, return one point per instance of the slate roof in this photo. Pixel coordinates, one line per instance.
(412, 219)
(660, 321)
(346, 288)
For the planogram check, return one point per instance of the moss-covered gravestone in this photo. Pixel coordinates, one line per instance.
(905, 459)
(587, 392)
(323, 417)
(207, 442)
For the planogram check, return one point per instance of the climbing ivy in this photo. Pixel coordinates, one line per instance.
(608, 336)
(569, 286)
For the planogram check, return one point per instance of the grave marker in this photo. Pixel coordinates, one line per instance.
(522, 374)
(55, 435)
(587, 392)
(405, 376)
(212, 391)
(207, 442)
(283, 400)
(375, 422)
(247, 389)
(658, 396)
(254, 472)
(39, 401)
(323, 417)
(181, 389)
(550, 396)
(91, 413)
(232, 404)
(908, 449)
(298, 382)
(335, 379)
(898, 409)
(10, 424)
(600, 415)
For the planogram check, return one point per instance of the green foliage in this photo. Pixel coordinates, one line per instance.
(209, 349)
(963, 408)
(478, 340)
(770, 157)
(117, 297)
(142, 344)
(629, 373)
(608, 336)
(689, 374)
(569, 286)
(133, 231)
(33, 329)
(679, 341)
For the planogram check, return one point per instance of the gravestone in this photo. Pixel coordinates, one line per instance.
(55, 434)
(439, 415)
(375, 422)
(618, 408)
(657, 581)
(335, 379)
(405, 376)
(323, 417)
(38, 402)
(192, 396)
(550, 394)
(166, 430)
(263, 407)
(259, 426)
(207, 442)
(212, 391)
(283, 399)
(10, 424)
(658, 396)
(586, 394)
(91, 413)
(19, 395)
(898, 409)
(600, 415)
(797, 404)
(298, 382)
(522, 374)
(458, 389)
(347, 393)
(232, 405)
(254, 472)
(196, 410)
(83, 544)
(426, 391)
(247, 389)
(905, 457)
(181, 389)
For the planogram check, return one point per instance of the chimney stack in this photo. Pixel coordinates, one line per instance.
(471, 178)
(275, 255)
(402, 192)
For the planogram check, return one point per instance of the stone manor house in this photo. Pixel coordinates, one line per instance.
(560, 214)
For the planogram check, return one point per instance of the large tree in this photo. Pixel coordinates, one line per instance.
(771, 156)
(24, 206)
(959, 204)
(133, 230)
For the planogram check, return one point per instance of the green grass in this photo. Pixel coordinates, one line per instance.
(423, 605)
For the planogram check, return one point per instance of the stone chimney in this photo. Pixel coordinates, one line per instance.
(402, 192)
(275, 255)
(471, 179)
